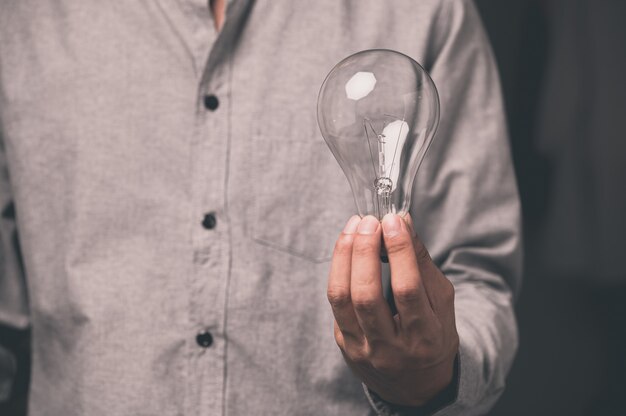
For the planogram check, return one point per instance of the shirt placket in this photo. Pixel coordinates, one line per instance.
(210, 234)
(211, 240)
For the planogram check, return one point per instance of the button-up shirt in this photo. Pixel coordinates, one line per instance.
(176, 207)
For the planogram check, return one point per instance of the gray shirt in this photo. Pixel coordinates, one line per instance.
(114, 157)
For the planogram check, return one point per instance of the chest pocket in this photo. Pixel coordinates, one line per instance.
(301, 196)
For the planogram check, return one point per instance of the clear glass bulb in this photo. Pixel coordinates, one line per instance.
(378, 111)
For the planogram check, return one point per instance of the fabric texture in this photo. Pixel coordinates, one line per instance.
(112, 162)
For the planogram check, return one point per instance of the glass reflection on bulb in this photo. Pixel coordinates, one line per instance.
(378, 111)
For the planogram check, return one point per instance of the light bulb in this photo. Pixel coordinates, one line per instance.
(378, 111)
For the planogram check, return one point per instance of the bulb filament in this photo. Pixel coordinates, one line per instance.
(383, 185)
(381, 155)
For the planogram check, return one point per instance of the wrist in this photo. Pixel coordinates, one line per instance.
(423, 407)
(423, 387)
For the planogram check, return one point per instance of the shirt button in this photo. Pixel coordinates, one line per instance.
(204, 339)
(211, 102)
(209, 222)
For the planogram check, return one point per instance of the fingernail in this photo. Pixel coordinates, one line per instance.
(352, 224)
(368, 225)
(391, 225)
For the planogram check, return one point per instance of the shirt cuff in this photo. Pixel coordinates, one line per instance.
(444, 399)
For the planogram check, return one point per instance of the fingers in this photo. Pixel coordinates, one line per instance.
(423, 257)
(407, 283)
(370, 306)
(439, 289)
(339, 283)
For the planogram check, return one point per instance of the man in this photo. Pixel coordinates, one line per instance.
(177, 209)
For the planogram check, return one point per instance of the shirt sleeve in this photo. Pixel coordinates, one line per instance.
(466, 209)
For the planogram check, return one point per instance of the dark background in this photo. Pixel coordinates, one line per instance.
(572, 323)
(572, 352)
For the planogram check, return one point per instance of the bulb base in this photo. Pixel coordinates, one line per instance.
(383, 187)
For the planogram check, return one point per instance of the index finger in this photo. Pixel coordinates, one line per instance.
(407, 285)
(338, 290)
(370, 306)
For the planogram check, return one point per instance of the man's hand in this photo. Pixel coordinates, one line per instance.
(407, 358)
